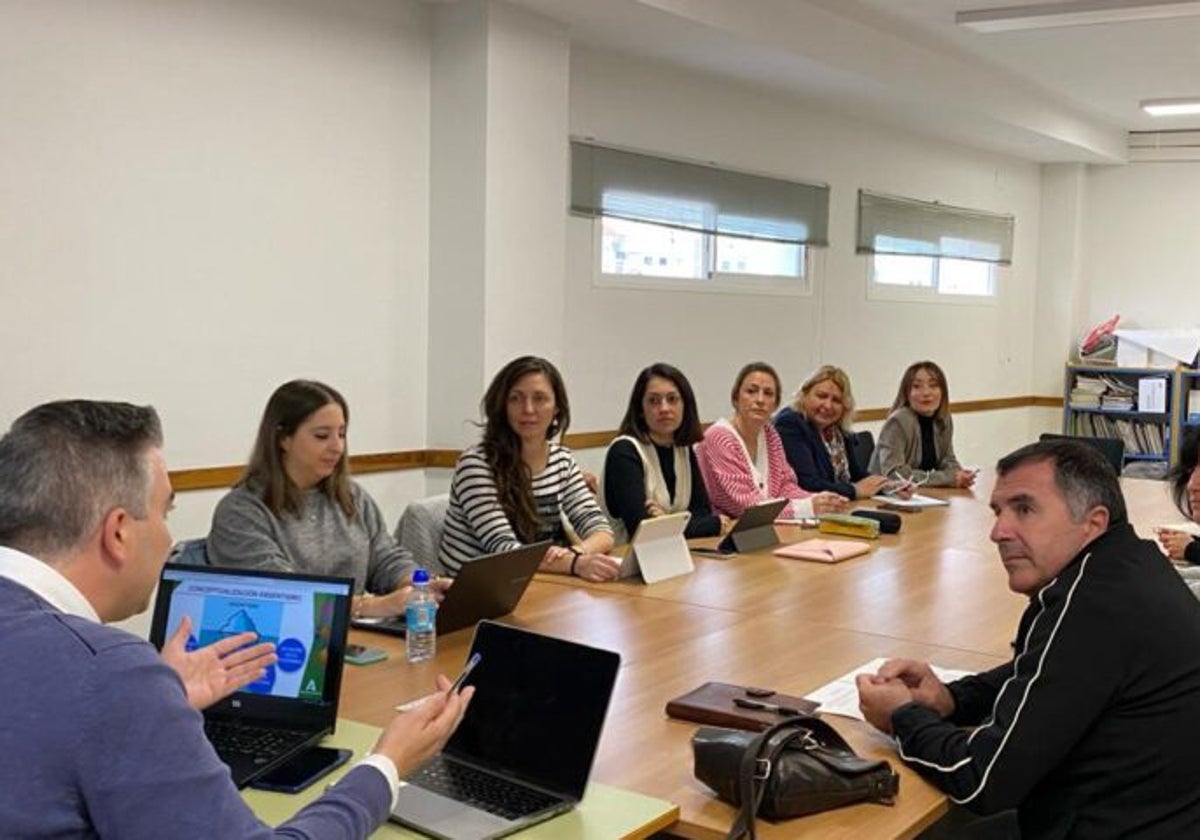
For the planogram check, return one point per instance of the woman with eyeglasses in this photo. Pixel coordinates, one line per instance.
(742, 458)
(517, 485)
(650, 468)
(1181, 546)
(815, 430)
(916, 442)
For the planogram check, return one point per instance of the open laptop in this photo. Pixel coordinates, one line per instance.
(755, 528)
(486, 587)
(524, 748)
(295, 704)
(658, 550)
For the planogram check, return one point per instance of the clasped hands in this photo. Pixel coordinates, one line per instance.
(589, 566)
(897, 683)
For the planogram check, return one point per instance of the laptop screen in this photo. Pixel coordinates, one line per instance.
(538, 709)
(304, 616)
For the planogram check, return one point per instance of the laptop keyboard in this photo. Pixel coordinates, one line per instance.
(482, 790)
(258, 744)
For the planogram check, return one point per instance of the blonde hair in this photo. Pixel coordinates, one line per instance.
(827, 373)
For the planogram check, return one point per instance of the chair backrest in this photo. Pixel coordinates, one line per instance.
(190, 552)
(861, 446)
(1113, 449)
(420, 530)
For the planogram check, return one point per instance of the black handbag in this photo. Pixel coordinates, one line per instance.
(798, 766)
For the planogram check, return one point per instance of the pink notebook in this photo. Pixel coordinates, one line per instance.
(824, 551)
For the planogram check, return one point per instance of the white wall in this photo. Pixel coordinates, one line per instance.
(203, 199)
(986, 350)
(1141, 244)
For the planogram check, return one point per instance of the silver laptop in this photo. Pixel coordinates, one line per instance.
(486, 587)
(658, 550)
(524, 750)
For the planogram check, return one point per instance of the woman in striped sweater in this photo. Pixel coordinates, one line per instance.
(742, 459)
(517, 487)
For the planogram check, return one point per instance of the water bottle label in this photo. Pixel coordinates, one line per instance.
(420, 616)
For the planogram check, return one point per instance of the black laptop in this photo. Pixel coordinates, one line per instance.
(524, 749)
(486, 587)
(295, 704)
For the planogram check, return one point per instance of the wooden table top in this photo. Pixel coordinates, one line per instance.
(936, 591)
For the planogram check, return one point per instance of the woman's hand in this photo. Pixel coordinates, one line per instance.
(964, 478)
(654, 509)
(825, 502)
(597, 567)
(1175, 543)
(382, 606)
(867, 487)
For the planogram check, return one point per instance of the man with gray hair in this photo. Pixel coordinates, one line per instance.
(1091, 729)
(102, 736)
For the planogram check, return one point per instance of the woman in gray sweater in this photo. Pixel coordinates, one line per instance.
(296, 508)
(917, 439)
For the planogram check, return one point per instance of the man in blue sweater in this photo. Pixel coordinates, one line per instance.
(102, 737)
(1091, 729)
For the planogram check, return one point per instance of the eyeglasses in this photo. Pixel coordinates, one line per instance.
(657, 400)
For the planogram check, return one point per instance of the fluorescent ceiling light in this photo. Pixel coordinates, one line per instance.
(1171, 107)
(1073, 13)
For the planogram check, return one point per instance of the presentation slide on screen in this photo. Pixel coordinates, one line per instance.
(296, 618)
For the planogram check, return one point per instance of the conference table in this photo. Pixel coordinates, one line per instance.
(935, 591)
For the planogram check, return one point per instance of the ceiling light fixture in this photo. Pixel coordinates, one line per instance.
(1073, 13)
(1171, 107)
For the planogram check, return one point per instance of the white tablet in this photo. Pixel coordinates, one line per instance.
(658, 550)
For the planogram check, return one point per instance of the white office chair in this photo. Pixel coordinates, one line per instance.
(420, 530)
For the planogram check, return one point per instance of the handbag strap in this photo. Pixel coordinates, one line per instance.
(757, 761)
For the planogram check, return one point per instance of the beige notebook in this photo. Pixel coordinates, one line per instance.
(824, 551)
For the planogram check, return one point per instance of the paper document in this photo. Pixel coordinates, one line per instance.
(1183, 527)
(1152, 394)
(915, 502)
(840, 697)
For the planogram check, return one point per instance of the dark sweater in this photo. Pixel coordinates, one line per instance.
(625, 489)
(99, 741)
(1091, 730)
(810, 459)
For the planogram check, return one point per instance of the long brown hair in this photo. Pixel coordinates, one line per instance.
(634, 423)
(502, 446)
(906, 381)
(291, 404)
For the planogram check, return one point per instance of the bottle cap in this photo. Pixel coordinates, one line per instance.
(420, 576)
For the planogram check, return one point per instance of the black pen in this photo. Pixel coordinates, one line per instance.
(759, 706)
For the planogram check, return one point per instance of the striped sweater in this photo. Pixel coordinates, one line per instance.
(477, 525)
(729, 475)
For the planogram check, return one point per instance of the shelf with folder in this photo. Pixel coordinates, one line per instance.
(1136, 405)
(1189, 399)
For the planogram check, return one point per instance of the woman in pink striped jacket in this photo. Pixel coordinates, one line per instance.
(742, 459)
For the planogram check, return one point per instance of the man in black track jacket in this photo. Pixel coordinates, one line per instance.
(1093, 729)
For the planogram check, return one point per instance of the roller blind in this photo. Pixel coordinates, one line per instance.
(644, 188)
(892, 225)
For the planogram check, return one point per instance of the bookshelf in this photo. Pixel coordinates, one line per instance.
(1144, 407)
(1189, 399)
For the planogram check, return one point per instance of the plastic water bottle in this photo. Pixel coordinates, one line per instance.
(420, 620)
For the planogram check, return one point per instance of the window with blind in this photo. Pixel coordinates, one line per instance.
(920, 250)
(664, 223)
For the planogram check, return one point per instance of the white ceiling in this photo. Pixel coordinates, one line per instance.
(1061, 94)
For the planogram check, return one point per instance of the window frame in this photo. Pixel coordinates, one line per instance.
(716, 282)
(893, 292)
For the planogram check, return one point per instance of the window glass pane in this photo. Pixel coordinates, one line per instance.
(756, 256)
(642, 248)
(964, 277)
(892, 270)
